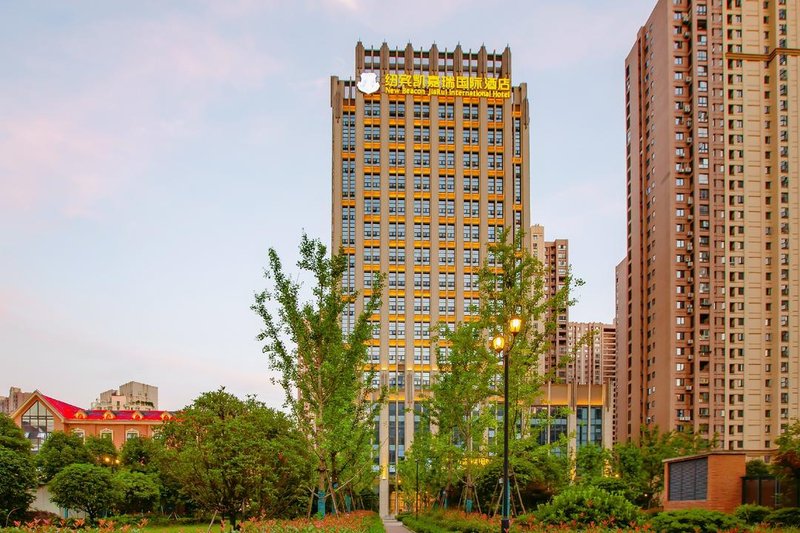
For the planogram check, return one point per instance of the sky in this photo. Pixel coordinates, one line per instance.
(152, 152)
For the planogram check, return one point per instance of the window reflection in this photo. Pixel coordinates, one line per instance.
(37, 423)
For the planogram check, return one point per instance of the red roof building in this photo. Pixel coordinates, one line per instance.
(40, 415)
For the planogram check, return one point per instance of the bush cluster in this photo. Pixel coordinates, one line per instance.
(784, 517)
(586, 505)
(752, 514)
(444, 521)
(694, 521)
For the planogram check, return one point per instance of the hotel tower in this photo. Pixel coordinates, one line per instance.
(709, 330)
(430, 162)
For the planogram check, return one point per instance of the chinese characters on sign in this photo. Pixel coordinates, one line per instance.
(435, 85)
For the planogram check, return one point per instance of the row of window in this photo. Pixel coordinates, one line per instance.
(445, 111)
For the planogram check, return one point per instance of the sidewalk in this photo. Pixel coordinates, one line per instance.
(394, 526)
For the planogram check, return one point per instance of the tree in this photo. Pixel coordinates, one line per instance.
(102, 450)
(236, 457)
(467, 396)
(140, 454)
(58, 451)
(321, 367)
(591, 461)
(12, 437)
(640, 464)
(787, 460)
(458, 405)
(17, 482)
(84, 487)
(137, 492)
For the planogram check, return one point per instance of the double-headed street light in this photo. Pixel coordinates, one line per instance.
(499, 345)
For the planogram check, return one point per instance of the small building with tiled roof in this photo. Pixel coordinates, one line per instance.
(40, 415)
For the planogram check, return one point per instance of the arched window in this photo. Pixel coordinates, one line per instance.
(107, 434)
(131, 434)
(79, 433)
(37, 423)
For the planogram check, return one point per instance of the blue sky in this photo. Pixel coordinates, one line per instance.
(151, 152)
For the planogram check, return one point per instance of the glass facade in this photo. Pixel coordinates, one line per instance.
(37, 423)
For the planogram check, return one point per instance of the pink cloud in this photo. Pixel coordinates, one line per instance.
(70, 145)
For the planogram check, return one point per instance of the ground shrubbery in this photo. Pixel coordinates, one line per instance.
(784, 517)
(585, 505)
(752, 514)
(694, 521)
(441, 521)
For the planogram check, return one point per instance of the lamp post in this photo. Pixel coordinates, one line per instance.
(499, 345)
(416, 496)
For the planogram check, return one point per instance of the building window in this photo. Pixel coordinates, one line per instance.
(37, 423)
(131, 434)
(107, 434)
(81, 434)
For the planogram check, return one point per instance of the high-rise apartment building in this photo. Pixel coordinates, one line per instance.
(593, 348)
(709, 323)
(554, 257)
(12, 402)
(430, 162)
(130, 396)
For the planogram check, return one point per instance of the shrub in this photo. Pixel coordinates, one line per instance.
(752, 514)
(582, 505)
(694, 521)
(786, 516)
(441, 521)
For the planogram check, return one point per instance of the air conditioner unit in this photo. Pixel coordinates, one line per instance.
(688, 108)
(689, 140)
(689, 264)
(690, 342)
(688, 79)
(688, 387)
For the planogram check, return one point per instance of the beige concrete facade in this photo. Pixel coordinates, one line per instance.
(429, 163)
(12, 402)
(709, 321)
(131, 395)
(593, 350)
(554, 256)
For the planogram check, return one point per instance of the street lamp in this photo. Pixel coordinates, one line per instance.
(416, 496)
(499, 344)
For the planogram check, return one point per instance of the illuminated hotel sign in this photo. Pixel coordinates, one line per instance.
(434, 85)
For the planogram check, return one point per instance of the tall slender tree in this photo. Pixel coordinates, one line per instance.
(322, 367)
(512, 282)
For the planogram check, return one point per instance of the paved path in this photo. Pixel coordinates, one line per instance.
(394, 526)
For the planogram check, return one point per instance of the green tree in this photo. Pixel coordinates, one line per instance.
(458, 406)
(84, 487)
(590, 462)
(137, 492)
(17, 482)
(102, 450)
(140, 454)
(787, 460)
(11, 436)
(321, 367)
(640, 464)
(58, 451)
(467, 399)
(236, 457)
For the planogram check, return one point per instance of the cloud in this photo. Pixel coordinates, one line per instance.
(70, 143)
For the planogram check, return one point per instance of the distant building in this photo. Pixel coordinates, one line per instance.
(554, 256)
(593, 346)
(40, 415)
(15, 398)
(131, 395)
